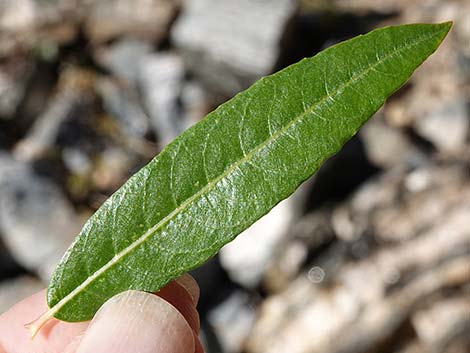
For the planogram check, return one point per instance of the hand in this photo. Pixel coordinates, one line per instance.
(130, 322)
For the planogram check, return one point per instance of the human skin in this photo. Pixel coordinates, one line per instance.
(132, 321)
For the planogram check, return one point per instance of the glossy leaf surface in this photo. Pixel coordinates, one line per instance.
(227, 171)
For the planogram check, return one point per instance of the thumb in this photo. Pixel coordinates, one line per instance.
(135, 321)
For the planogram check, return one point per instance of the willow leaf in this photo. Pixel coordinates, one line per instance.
(224, 173)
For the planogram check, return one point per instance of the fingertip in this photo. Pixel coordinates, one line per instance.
(197, 343)
(189, 283)
(136, 321)
(179, 297)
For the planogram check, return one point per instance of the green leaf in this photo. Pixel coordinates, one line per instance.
(227, 171)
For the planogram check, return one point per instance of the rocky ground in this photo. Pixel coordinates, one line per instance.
(370, 255)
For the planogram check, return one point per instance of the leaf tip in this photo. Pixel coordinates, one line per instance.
(441, 30)
(447, 25)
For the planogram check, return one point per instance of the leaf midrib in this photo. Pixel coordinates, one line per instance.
(185, 204)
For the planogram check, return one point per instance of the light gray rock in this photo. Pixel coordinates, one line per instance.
(271, 231)
(24, 23)
(365, 302)
(397, 205)
(43, 134)
(122, 103)
(230, 44)
(111, 168)
(448, 127)
(195, 101)
(146, 19)
(387, 146)
(356, 295)
(73, 99)
(16, 15)
(232, 321)
(76, 161)
(37, 222)
(440, 324)
(14, 290)
(160, 80)
(10, 94)
(305, 235)
(123, 57)
(15, 72)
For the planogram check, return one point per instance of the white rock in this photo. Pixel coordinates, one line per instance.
(434, 323)
(17, 15)
(232, 321)
(37, 222)
(447, 128)
(365, 302)
(146, 19)
(195, 101)
(229, 44)
(122, 103)
(161, 78)
(14, 290)
(247, 257)
(385, 146)
(123, 57)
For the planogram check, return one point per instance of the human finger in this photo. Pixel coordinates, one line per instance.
(141, 322)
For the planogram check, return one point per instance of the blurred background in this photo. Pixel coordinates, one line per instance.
(370, 255)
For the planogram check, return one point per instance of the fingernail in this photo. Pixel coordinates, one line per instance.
(135, 321)
(189, 283)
